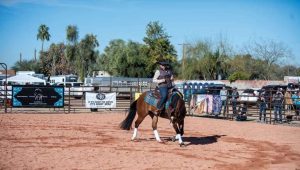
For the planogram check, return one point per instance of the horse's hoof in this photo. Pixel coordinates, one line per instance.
(160, 141)
(182, 145)
(173, 139)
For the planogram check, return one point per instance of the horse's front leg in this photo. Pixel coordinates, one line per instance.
(154, 127)
(178, 134)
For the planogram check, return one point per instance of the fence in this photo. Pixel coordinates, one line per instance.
(125, 95)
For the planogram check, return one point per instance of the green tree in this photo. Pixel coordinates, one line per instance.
(124, 59)
(54, 61)
(87, 55)
(72, 49)
(159, 46)
(72, 34)
(26, 65)
(43, 34)
(239, 75)
(206, 62)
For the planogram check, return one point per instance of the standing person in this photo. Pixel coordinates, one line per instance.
(223, 94)
(296, 102)
(262, 105)
(278, 102)
(288, 101)
(234, 98)
(164, 77)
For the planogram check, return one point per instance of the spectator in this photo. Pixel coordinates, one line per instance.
(262, 105)
(242, 112)
(223, 94)
(278, 102)
(288, 101)
(234, 98)
(296, 102)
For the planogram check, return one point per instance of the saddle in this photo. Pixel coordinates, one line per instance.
(153, 98)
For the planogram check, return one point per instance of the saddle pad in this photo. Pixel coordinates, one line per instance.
(150, 99)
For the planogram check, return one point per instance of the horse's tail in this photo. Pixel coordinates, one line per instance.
(126, 124)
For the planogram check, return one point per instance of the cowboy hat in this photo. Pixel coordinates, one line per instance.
(164, 63)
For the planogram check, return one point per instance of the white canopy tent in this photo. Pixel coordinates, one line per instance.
(24, 79)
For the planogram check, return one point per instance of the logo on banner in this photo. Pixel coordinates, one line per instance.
(38, 94)
(100, 96)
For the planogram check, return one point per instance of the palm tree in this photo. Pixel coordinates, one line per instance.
(43, 34)
(71, 48)
(88, 54)
(72, 34)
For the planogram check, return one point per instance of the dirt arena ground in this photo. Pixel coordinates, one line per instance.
(94, 141)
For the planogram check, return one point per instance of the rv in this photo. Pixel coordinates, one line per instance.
(63, 79)
(72, 86)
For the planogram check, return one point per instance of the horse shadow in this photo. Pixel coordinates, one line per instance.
(193, 140)
(201, 140)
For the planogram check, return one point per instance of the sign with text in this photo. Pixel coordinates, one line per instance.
(100, 100)
(37, 96)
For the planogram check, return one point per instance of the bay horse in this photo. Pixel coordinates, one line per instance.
(175, 112)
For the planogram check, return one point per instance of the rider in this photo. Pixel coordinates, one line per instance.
(164, 77)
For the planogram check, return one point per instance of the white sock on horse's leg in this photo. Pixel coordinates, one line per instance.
(178, 136)
(134, 133)
(156, 135)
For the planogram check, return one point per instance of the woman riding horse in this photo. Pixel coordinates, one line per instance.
(176, 108)
(163, 77)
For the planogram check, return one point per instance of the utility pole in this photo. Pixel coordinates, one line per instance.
(20, 57)
(183, 58)
(35, 55)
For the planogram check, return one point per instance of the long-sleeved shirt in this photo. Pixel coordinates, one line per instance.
(164, 78)
(155, 77)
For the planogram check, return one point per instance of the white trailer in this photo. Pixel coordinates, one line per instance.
(72, 86)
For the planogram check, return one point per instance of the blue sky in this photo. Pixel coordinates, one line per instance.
(238, 21)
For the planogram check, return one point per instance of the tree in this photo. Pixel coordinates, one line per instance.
(43, 34)
(26, 65)
(127, 59)
(87, 55)
(271, 53)
(159, 45)
(72, 34)
(54, 61)
(205, 61)
(72, 48)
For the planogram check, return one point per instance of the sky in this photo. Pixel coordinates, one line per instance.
(237, 21)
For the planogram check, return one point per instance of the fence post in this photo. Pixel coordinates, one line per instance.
(69, 106)
(110, 82)
(270, 102)
(130, 94)
(5, 87)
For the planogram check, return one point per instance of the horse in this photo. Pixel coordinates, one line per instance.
(175, 112)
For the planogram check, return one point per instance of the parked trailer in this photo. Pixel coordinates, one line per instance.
(123, 85)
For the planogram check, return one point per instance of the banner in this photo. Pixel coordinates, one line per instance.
(37, 96)
(100, 100)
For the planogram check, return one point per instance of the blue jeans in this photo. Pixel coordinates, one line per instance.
(234, 103)
(262, 110)
(277, 110)
(163, 96)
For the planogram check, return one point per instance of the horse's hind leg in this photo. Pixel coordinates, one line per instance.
(136, 125)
